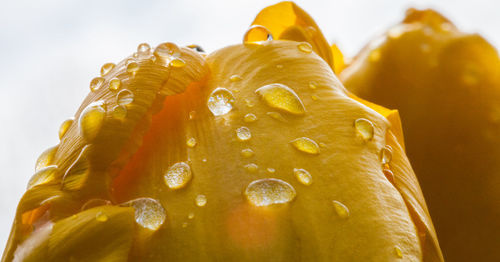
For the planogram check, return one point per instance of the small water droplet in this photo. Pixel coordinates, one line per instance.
(65, 126)
(277, 116)
(243, 133)
(250, 118)
(204, 160)
(306, 145)
(252, 168)
(119, 112)
(46, 158)
(178, 175)
(305, 47)
(249, 103)
(124, 97)
(281, 97)
(398, 252)
(143, 49)
(115, 84)
(201, 200)
(313, 85)
(101, 217)
(106, 68)
(389, 175)
(386, 155)
(271, 170)
(149, 213)
(96, 83)
(190, 215)
(322, 145)
(191, 142)
(43, 176)
(220, 101)
(269, 191)
(247, 152)
(177, 62)
(341, 210)
(375, 55)
(91, 120)
(192, 115)
(314, 97)
(364, 128)
(303, 176)
(235, 78)
(257, 33)
(446, 26)
(132, 67)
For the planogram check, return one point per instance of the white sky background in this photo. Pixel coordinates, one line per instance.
(51, 49)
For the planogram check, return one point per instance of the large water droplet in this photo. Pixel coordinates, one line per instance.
(143, 49)
(243, 133)
(43, 176)
(191, 142)
(247, 152)
(101, 216)
(149, 213)
(303, 176)
(96, 83)
(269, 191)
(115, 84)
(220, 101)
(281, 97)
(252, 168)
(65, 126)
(166, 52)
(341, 210)
(76, 175)
(250, 118)
(132, 67)
(386, 155)
(106, 68)
(124, 97)
(389, 175)
(257, 33)
(91, 120)
(364, 128)
(201, 200)
(178, 175)
(305, 47)
(306, 145)
(46, 158)
(119, 112)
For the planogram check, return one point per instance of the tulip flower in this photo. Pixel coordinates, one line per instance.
(255, 152)
(446, 85)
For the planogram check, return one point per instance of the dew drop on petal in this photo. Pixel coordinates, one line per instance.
(386, 155)
(115, 84)
(143, 49)
(191, 142)
(235, 78)
(269, 191)
(281, 97)
(43, 176)
(201, 200)
(149, 213)
(96, 83)
(190, 215)
(132, 67)
(306, 145)
(305, 47)
(168, 50)
(271, 170)
(243, 133)
(341, 210)
(364, 128)
(250, 118)
(220, 101)
(119, 112)
(106, 68)
(46, 158)
(124, 97)
(303, 176)
(313, 85)
(65, 126)
(277, 116)
(389, 175)
(192, 115)
(398, 252)
(177, 62)
(247, 152)
(257, 33)
(101, 216)
(178, 175)
(91, 120)
(252, 168)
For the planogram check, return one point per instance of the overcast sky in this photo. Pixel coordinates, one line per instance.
(51, 49)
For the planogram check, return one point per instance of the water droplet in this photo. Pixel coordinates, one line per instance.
(249, 103)
(364, 128)
(277, 116)
(257, 33)
(178, 175)
(119, 112)
(306, 145)
(314, 97)
(313, 85)
(132, 67)
(101, 217)
(177, 62)
(184, 224)
(91, 120)
(106, 68)
(204, 160)
(250, 118)
(305, 47)
(201, 200)
(192, 115)
(389, 175)
(46, 158)
(190, 215)
(65, 126)
(398, 252)
(341, 210)
(322, 145)
(243, 133)
(95, 202)
(166, 52)
(446, 26)
(252, 168)
(271, 170)
(281, 97)
(124, 97)
(303, 176)
(375, 55)
(96, 83)
(386, 155)
(76, 175)
(247, 152)
(235, 78)
(115, 84)
(191, 142)
(43, 176)
(269, 191)
(220, 101)
(143, 49)
(149, 213)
